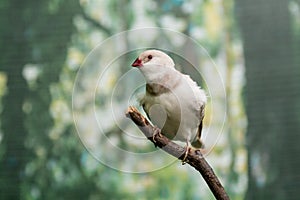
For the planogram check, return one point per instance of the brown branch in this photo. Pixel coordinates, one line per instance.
(194, 157)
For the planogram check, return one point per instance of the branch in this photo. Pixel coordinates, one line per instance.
(194, 157)
(97, 24)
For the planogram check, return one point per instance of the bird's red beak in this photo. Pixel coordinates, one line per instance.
(137, 63)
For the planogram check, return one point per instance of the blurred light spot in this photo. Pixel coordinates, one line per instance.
(75, 58)
(257, 169)
(3, 81)
(31, 72)
(27, 107)
(40, 151)
(35, 193)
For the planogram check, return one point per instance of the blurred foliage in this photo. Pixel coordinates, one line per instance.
(272, 97)
(44, 43)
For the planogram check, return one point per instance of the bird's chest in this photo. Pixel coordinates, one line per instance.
(172, 111)
(164, 111)
(157, 105)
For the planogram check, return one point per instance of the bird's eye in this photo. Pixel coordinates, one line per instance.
(150, 57)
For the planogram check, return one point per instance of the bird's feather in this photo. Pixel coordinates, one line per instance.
(173, 101)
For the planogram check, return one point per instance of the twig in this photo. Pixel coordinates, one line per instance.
(97, 24)
(194, 157)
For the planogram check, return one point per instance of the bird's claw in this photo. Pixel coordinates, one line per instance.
(188, 148)
(156, 131)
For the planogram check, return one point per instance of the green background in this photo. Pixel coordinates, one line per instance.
(256, 47)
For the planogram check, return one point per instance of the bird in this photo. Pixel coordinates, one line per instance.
(173, 102)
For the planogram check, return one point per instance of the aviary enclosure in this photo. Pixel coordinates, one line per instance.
(66, 83)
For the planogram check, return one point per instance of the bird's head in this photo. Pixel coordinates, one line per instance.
(154, 64)
(153, 57)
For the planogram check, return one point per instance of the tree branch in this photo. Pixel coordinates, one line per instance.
(194, 157)
(97, 24)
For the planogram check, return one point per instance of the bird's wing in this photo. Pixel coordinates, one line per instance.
(142, 102)
(146, 111)
(197, 143)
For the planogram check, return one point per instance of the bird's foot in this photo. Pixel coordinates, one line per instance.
(187, 150)
(156, 131)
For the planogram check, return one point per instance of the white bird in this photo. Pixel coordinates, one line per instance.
(173, 101)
